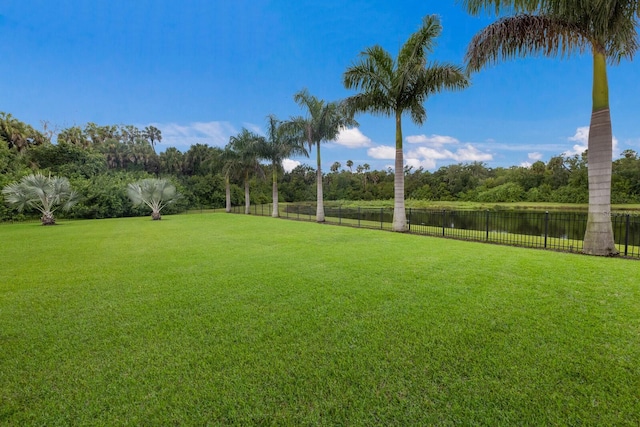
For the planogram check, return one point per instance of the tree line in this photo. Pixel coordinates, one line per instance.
(201, 173)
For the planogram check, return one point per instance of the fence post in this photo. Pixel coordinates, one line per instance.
(409, 219)
(339, 215)
(358, 216)
(626, 236)
(444, 219)
(381, 213)
(487, 224)
(298, 212)
(546, 228)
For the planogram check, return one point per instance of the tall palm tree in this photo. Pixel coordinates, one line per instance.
(230, 169)
(153, 135)
(323, 123)
(607, 29)
(247, 146)
(392, 88)
(283, 141)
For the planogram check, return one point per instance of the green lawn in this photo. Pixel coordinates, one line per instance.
(231, 319)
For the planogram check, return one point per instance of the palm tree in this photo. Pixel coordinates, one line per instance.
(155, 193)
(171, 161)
(283, 141)
(74, 135)
(15, 132)
(608, 29)
(230, 169)
(394, 87)
(153, 135)
(43, 193)
(349, 164)
(323, 123)
(247, 147)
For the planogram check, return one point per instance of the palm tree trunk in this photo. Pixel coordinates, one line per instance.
(247, 200)
(598, 238)
(399, 214)
(227, 186)
(274, 192)
(320, 199)
(48, 219)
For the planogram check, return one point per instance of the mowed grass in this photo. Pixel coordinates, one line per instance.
(239, 320)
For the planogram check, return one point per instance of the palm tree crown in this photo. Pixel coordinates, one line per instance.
(392, 88)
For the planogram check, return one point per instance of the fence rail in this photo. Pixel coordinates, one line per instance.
(560, 231)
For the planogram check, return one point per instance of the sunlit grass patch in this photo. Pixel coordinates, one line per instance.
(232, 319)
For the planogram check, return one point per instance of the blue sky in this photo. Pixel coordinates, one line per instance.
(201, 70)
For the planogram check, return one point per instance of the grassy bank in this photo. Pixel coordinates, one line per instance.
(230, 319)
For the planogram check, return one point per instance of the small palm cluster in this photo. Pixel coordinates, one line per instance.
(44, 193)
(155, 193)
(48, 193)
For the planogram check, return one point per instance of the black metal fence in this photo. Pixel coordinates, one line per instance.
(563, 231)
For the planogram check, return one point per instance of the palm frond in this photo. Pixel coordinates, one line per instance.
(420, 43)
(610, 26)
(374, 70)
(523, 35)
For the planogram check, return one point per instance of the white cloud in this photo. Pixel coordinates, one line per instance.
(534, 156)
(471, 154)
(430, 153)
(426, 156)
(417, 163)
(184, 136)
(384, 152)
(433, 139)
(353, 138)
(525, 164)
(288, 165)
(582, 138)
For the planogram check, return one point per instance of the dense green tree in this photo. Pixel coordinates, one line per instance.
(171, 161)
(46, 194)
(323, 123)
(69, 160)
(19, 135)
(392, 88)
(202, 159)
(74, 136)
(607, 29)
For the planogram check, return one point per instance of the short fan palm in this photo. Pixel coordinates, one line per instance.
(155, 193)
(44, 193)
